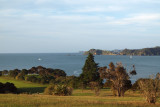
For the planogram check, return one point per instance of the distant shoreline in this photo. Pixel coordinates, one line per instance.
(155, 51)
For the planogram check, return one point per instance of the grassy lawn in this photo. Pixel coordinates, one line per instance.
(79, 98)
(25, 86)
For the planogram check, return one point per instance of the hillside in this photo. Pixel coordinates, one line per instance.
(99, 52)
(142, 52)
(139, 52)
(24, 86)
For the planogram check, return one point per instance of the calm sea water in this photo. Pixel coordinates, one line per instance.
(72, 63)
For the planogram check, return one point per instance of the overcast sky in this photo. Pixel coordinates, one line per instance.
(42, 26)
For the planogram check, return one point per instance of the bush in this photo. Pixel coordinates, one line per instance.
(7, 88)
(49, 90)
(61, 90)
(95, 86)
(150, 88)
(135, 86)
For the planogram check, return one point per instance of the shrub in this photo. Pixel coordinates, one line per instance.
(150, 88)
(135, 86)
(49, 90)
(61, 90)
(95, 87)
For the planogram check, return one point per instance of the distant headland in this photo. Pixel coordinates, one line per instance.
(155, 51)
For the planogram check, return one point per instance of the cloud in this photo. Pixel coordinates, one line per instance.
(75, 17)
(32, 15)
(79, 20)
(149, 18)
(43, 1)
(99, 9)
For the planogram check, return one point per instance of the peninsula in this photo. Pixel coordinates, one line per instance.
(155, 51)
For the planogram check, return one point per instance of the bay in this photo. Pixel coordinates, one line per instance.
(72, 63)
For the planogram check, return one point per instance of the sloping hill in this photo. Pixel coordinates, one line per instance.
(142, 52)
(25, 86)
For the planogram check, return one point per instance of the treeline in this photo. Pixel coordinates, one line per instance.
(36, 74)
(43, 75)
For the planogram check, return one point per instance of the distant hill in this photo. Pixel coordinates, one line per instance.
(99, 52)
(139, 52)
(142, 52)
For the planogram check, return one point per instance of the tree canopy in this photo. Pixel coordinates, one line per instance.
(118, 76)
(90, 71)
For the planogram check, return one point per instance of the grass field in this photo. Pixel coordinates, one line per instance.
(79, 98)
(25, 86)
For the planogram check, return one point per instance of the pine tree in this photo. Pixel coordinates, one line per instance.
(90, 71)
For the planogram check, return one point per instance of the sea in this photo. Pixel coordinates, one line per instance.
(72, 63)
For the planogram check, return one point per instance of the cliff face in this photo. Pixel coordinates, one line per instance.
(139, 52)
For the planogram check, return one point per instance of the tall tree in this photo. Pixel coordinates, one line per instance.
(90, 71)
(118, 76)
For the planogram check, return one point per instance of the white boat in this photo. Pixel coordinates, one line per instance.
(130, 56)
(39, 59)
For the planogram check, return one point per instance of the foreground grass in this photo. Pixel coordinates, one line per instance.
(79, 98)
(88, 100)
(24, 86)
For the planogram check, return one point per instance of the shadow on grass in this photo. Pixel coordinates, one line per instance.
(31, 90)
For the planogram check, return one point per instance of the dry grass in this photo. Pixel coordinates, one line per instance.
(78, 99)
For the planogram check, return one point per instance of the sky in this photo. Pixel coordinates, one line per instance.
(60, 26)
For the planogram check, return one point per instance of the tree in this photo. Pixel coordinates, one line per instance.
(14, 73)
(90, 73)
(118, 76)
(150, 88)
(0, 73)
(21, 75)
(7, 88)
(4, 72)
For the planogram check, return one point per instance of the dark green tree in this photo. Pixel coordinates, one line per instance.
(90, 72)
(0, 73)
